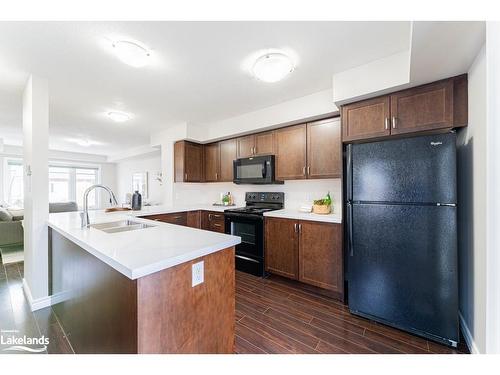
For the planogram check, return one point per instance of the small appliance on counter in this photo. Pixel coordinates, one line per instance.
(248, 223)
(136, 201)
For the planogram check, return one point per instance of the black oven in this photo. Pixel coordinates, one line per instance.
(250, 252)
(254, 170)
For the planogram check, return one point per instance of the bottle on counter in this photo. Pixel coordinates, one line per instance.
(136, 201)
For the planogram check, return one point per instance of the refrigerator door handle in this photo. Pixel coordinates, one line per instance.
(349, 172)
(349, 229)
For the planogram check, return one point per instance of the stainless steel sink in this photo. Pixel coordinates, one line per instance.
(120, 226)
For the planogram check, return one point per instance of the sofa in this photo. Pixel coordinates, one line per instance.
(11, 228)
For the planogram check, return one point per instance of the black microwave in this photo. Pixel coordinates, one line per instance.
(254, 170)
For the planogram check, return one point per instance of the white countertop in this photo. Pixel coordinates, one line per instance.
(141, 252)
(297, 215)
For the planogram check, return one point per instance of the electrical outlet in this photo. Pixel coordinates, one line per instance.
(197, 273)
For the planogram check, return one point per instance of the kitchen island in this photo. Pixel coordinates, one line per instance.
(128, 285)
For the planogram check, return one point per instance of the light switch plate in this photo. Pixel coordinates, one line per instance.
(197, 273)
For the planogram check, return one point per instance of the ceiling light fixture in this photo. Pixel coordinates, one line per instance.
(131, 53)
(119, 116)
(272, 67)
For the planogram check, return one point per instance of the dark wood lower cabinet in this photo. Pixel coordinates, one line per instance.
(178, 218)
(307, 251)
(213, 221)
(194, 219)
(281, 254)
(320, 255)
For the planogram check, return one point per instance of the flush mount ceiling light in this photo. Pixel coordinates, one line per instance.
(118, 116)
(131, 53)
(272, 67)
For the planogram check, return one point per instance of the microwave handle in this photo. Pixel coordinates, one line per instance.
(264, 170)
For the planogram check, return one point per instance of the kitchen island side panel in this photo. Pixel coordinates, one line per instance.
(175, 317)
(96, 305)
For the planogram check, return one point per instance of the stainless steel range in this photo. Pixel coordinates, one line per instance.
(248, 223)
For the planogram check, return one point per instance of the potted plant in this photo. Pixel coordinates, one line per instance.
(323, 206)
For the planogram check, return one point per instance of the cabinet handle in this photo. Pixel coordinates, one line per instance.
(177, 217)
(217, 216)
(394, 118)
(295, 228)
(255, 150)
(217, 225)
(216, 176)
(300, 228)
(304, 170)
(309, 170)
(210, 217)
(387, 123)
(185, 176)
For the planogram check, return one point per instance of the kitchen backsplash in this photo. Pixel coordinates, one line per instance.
(297, 192)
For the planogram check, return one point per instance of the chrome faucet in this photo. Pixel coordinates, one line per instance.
(85, 214)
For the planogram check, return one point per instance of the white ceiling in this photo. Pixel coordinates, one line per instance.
(198, 73)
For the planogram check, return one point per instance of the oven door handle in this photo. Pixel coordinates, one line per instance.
(246, 258)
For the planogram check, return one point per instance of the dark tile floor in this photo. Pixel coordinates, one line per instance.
(15, 313)
(272, 316)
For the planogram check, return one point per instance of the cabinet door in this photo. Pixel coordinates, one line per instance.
(264, 143)
(366, 119)
(281, 247)
(194, 219)
(422, 108)
(320, 255)
(211, 162)
(291, 153)
(227, 156)
(193, 157)
(246, 146)
(324, 149)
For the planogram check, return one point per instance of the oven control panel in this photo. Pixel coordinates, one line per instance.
(265, 197)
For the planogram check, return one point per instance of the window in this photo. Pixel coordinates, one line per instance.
(14, 190)
(68, 183)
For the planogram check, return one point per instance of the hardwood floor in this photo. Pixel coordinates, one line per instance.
(15, 313)
(274, 315)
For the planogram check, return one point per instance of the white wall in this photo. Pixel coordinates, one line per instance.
(472, 205)
(297, 192)
(125, 169)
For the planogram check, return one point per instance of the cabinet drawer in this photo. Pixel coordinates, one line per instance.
(178, 218)
(213, 221)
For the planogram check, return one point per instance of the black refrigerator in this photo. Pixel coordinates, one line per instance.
(401, 214)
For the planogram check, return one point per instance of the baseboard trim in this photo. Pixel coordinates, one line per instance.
(35, 304)
(469, 340)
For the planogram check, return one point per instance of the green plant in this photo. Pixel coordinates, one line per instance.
(327, 201)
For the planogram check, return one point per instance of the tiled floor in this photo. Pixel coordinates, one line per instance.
(272, 316)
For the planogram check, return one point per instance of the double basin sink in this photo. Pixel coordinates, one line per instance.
(120, 226)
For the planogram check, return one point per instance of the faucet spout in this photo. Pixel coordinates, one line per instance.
(85, 214)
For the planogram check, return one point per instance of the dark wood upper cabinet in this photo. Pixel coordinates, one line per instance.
(211, 162)
(431, 107)
(264, 143)
(422, 108)
(366, 119)
(245, 146)
(291, 155)
(320, 255)
(227, 156)
(188, 162)
(324, 149)
(281, 247)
